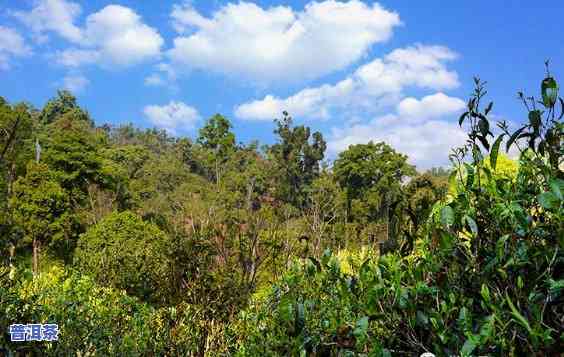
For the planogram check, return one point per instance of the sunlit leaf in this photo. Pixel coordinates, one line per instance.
(495, 150)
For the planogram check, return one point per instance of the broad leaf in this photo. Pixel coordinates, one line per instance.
(495, 150)
(547, 200)
(557, 187)
(447, 216)
(472, 224)
(513, 137)
(462, 117)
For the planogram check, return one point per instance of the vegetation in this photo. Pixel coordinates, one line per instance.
(138, 243)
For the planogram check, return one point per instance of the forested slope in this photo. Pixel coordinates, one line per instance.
(138, 243)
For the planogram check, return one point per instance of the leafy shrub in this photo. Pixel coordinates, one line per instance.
(91, 319)
(125, 252)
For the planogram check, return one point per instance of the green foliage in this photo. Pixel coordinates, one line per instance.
(91, 319)
(63, 105)
(483, 279)
(124, 252)
(41, 208)
(372, 173)
(296, 160)
(206, 247)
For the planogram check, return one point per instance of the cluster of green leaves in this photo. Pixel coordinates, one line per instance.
(484, 277)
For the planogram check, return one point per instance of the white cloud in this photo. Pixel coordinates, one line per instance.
(173, 116)
(277, 43)
(113, 36)
(120, 37)
(52, 15)
(11, 45)
(372, 86)
(76, 83)
(429, 107)
(75, 57)
(426, 142)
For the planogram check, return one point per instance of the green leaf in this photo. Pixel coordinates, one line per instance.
(549, 90)
(462, 117)
(472, 224)
(485, 292)
(422, 319)
(535, 119)
(495, 150)
(489, 108)
(556, 286)
(361, 327)
(513, 137)
(316, 263)
(557, 187)
(447, 216)
(547, 200)
(470, 173)
(520, 319)
(484, 141)
(484, 126)
(469, 346)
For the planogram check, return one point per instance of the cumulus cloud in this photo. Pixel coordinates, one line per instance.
(173, 117)
(430, 106)
(11, 45)
(372, 86)
(52, 15)
(113, 36)
(278, 43)
(120, 37)
(76, 83)
(426, 142)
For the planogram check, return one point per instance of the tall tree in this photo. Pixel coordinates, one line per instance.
(41, 209)
(62, 104)
(216, 136)
(372, 175)
(296, 159)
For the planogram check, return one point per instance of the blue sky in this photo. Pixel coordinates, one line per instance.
(397, 71)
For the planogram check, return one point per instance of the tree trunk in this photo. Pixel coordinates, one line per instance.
(36, 247)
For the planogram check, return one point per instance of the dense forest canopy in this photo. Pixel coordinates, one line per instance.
(136, 242)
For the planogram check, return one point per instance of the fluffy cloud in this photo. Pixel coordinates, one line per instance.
(113, 36)
(371, 87)
(52, 15)
(430, 106)
(75, 82)
(11, 45)
(278, 43)
(426, 142)
(173, 117)
(120, 37)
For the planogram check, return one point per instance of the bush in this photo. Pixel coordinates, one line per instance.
(93, 319)
(125, 252)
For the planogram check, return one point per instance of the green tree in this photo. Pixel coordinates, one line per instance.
(296, 160)
(125, 252)
(71, 149)
(41, 209)
(16, 126)
(216, 136)
(372, 176)
(63, 103)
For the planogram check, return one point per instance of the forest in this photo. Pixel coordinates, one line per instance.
(138, 243)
